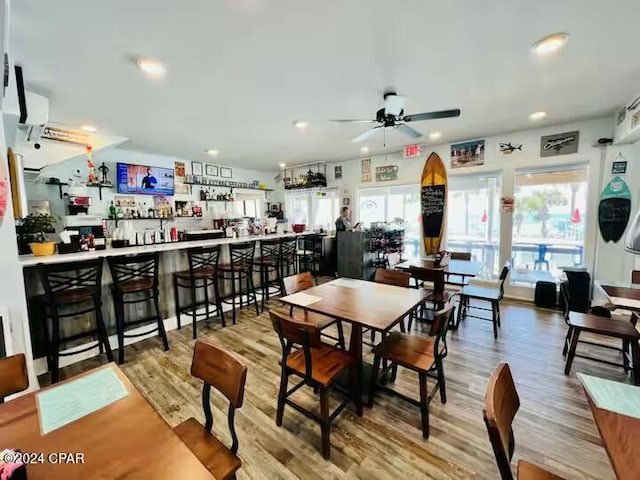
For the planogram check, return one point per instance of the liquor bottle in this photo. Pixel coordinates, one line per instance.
(112, 211)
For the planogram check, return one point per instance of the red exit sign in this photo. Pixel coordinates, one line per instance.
(411, 151)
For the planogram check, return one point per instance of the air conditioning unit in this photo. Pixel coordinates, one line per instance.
(627, 121)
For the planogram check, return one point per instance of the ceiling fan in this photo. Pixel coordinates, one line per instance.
(392, 116)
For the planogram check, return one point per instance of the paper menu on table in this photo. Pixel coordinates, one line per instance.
(346, 282)
(613, 396)
(303, 299)
(59, 406)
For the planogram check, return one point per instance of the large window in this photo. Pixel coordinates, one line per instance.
(473, 220)
(548, 222)
(316, 208)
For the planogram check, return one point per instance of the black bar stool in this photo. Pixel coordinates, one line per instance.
(241, 270)
(269, 264)
(135, 280)
(69, 286)
(310, 254)
(288, 259)
(202, 274)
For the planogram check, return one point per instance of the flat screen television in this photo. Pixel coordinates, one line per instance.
(144, 180)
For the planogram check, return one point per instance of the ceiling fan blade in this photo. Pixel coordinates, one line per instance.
(367, 134)
(432, 115)
(394, 104)
(353, 121)
(407, 130)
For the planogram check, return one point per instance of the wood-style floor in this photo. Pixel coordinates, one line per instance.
(554, 427)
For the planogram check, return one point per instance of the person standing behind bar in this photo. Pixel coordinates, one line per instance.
(342, 222)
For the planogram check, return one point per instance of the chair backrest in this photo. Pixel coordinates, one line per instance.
(564, 297)
(297, 283)
(501, 405)
(635, 276)
(435, 275)
(579, 288)
(220, 370)
(312, 243)
(128, 268)
(439, 328)
(293, 333)
(392, 277)
(63, 277)
(503, 277)
(289, 247)
(271, 249)
(13, 375)
(634, 319)
(460, 255)
(203, 258)
(242, 253)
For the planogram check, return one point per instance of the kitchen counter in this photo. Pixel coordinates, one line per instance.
(32, 260)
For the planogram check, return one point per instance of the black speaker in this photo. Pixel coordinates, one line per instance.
(546, 295)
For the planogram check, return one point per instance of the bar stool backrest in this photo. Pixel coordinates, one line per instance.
(67, 277)
(131, 268)
(201, 258)
(312, 244)
(271, 249)
(241, 254)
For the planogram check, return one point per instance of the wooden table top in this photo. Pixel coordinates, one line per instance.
(126, 439)
(623, 295)
(462, 268)
(373, 305)
(621, 438)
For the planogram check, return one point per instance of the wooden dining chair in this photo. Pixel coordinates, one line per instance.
(430, 279)
(457, 281)
(13, 375)
(501, 405)
(389, 277)
(635, 277)
(493, 295)
(319, 365)
(303, 281)
(417, 353)
(217, 369)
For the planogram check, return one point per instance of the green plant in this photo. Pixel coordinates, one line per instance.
(39, 225)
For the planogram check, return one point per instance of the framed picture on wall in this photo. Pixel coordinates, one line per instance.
(196, 168)
(211, 170)
(226, 172)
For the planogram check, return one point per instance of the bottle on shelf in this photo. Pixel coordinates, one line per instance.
(112, 211)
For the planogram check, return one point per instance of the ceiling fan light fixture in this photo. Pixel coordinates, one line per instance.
(535, 116)
(435, 135)
(152, 68)
(282, 165)
(212, 152)
(550, 44)
(364, 150)
(300, 124)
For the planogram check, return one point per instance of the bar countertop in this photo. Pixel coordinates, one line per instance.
(32, 260)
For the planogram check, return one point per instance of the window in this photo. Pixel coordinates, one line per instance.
(473, 219)
(548, 222)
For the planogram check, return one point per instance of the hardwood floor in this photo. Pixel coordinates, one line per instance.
(554, 427)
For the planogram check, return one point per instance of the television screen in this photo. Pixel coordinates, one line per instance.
(144, 180)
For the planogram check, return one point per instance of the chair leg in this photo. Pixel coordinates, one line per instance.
(233, 296)
(194, 312)
(567, 341)
(103, 337)
(494, 319)
(461, 309)
(252, 291)
(282, 396)
(635, 360)
(325, 426)
(206, 300)
(374, 380)
(442, 386)
(625, 355)
(572, 351)
(498, 313)
(119, 300)
(176, 295)
(424, 404)
(264, 285)
(161, 330)
(216, 292)
(55, 346)
(340, 335)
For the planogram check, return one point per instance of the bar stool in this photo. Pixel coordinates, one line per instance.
(202, 274)
(135, 280)
(288, 259)
(310, 254)
(268, 264)
(70, 285)
(240, 269)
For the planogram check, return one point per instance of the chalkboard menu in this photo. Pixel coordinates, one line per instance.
(614, 210)
(433, 209)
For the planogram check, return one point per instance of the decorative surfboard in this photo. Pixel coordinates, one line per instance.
(433, 195)
(614, 209)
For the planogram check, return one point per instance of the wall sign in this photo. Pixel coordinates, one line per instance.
(67, 136)
(467, 154)
(614, 210)
(180, 170)
(509, 148)
(411, 151)
(365, 170)
(386, 173)
(619, 167)
(559, 144)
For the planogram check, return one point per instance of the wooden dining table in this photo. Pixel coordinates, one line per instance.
(455, 268)
(126, 439)
(621, 438)
(362, 304)
(623, 295)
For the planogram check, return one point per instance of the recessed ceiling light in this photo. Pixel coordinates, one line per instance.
(212, 152)
(151, 68)
(537, 115)
(550, 44)
(300, 124)
(282, 164)
(88, 128)
(435, 135)
(364, 150)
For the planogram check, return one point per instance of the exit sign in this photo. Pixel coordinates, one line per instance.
(411, 151)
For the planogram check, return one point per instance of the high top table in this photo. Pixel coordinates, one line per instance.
(456, 268)
(623, 295)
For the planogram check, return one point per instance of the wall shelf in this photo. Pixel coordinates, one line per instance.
(161, 220)
(59, 185)
(99, 186)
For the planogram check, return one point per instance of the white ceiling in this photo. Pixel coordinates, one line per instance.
(240, 71)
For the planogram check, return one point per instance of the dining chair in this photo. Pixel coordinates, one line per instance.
(319, 365)
(390, 277)
(493, 295)
(438, 298)
(423, 355)
(635, 277)
(13, 375)
(501, 405)
(303, 281)
(457, 281)
(220, 370)
(623, 330)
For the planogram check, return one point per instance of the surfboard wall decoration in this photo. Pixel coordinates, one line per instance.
(614, 210)
(433, 198)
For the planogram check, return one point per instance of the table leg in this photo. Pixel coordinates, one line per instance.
(355, 348)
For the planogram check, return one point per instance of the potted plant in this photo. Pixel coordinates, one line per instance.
(37, 226)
